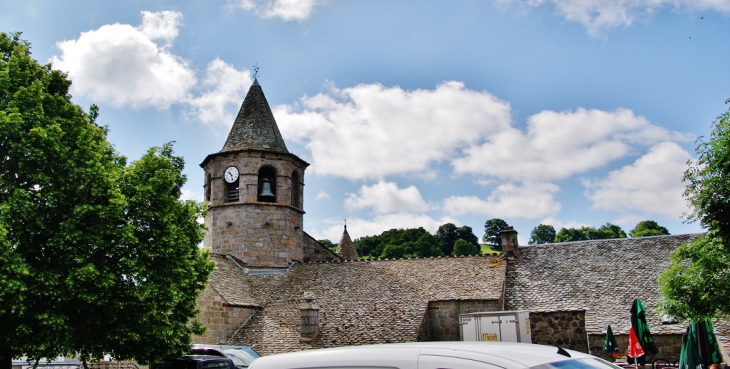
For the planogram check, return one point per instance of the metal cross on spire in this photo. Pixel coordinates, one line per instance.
(255, 70)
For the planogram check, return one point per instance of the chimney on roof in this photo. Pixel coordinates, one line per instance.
(309, 313)
(510, 248)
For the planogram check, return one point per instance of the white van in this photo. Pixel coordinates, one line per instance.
(435, 355)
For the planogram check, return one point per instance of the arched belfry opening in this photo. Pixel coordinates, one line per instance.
(295, 190)
(267, 184)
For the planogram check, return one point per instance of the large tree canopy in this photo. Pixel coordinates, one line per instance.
(96, 257)
(648, 228)
(697, 283)
(543, 233)
(398, 243)
(606, 231)
(492, 227)
(448, 234)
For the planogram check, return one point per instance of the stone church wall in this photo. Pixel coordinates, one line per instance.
(566, 328)
(262, 234)
(443, 316)
(221, 319)
(314, 251)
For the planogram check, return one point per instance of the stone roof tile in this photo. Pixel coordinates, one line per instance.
(601, 276)
(255, 127)
(360, 302)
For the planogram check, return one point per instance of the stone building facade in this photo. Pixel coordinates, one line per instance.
(267, 265)
(254, 187)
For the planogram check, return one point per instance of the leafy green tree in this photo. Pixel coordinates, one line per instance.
(328, 244)
(585, 233)
(492, 228)
(543, 233)
(697, 282)
(570, 234)
(96, 257)
(398, 243)
(608, 231)
(464, 247)
(448, 234)
(648, 228)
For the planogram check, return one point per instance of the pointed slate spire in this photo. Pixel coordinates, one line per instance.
(255, 127)
(346, 249)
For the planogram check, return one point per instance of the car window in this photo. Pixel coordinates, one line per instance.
(587, 363)
(240, 357)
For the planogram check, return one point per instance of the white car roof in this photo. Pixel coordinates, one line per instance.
(406, 355)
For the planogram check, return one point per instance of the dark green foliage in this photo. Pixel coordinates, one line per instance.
(607, 231)
(448, 234)
(648, 228)
(491, 232)
(570, 234)
(463, 247)
(697, 282)
(328, 244)
(542, 234)
(96, 257)
(399, 243)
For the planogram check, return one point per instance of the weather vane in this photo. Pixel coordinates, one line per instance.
(255, 71)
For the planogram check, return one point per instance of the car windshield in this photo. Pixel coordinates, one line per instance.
(586, 363)
(241, 356)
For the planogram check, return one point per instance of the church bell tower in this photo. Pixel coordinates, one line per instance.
(254, 187)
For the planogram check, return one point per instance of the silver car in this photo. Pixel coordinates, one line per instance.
(436, 355)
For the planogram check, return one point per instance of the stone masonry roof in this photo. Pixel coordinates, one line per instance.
(360, 302)
(255, 127)
(601, 277)
(346, 249)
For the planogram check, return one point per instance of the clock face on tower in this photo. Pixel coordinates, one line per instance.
(231, 174)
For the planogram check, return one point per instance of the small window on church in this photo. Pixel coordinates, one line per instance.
(232, 192)
(295, 190)
(267, 184)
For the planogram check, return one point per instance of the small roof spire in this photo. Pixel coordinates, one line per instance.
(346, 249)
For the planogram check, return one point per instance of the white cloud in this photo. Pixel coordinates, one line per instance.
(285, 9)
(557, 145)
(597, 15)
(386, 197)
(370, 131)
(120, 64)
(226, 87)
(358, 227)
(322, 195)
(652, 184)
(162, 25)
(527, 200)
(190, 195)
(126, 66)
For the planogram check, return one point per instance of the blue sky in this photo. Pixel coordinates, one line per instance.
(415, 113)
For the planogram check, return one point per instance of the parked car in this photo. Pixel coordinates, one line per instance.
(242, 356)
(434, 355)
(198, 362)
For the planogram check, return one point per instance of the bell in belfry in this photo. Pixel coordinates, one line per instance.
(266, 194)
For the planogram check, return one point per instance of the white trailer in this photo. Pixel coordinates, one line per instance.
(496, 326)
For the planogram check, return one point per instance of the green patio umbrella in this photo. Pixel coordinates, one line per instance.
(610, 344)
(689, 355)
